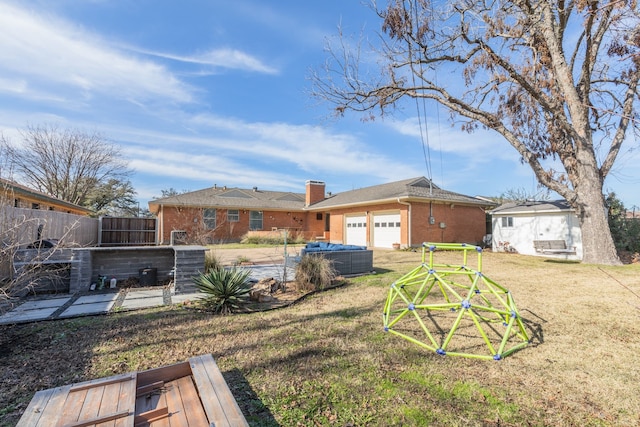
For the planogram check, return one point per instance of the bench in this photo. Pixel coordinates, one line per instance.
(553, 247)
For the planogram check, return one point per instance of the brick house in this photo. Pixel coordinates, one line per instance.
(17, 195)
(406, 212)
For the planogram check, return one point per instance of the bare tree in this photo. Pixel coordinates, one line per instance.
(24, 270)
(522, 195)
(557, 79)
(78, 167)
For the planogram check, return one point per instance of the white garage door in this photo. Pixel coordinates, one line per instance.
(386, 230)
(356, 230)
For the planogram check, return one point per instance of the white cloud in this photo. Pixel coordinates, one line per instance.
(43, 50)
(310, 148)
(479, 146)
(219, 58)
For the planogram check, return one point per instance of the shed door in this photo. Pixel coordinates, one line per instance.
(386, 230)
(356, 230)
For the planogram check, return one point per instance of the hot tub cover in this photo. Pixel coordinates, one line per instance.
(330, 247)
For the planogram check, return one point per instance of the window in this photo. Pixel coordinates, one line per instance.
(507, 221)
(255, 220)
(35, 205)
(319, 216)
(209, 218)
(233, 215)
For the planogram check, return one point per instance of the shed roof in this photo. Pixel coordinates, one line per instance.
(532, 207)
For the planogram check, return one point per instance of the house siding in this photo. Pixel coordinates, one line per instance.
(317, 217)
(463, 224)
(191, 221)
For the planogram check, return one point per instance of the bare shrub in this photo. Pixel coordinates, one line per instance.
(314, 273)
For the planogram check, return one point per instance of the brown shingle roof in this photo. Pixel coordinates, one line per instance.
(235, 198)
(8, 187)
(418, 188)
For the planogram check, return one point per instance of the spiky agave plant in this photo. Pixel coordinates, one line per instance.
(226, 290)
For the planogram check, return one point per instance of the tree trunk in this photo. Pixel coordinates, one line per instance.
(597, 242)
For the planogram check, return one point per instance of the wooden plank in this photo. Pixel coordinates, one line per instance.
(102, 382)
(53, 411)
(36, 408)
(91, 402)
(192, 407)
(150, 418)
(98, 419)
(71, 407)
(217, 399)
(166, 373)
(127, 401)
(175, 404)
(109, 404)
(145, 389)
(150, 402)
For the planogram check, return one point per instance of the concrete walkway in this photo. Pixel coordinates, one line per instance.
(53, 307)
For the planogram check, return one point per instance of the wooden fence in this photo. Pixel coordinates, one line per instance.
(117, 231)
(19, 227)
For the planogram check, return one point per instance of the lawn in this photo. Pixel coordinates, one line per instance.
(327, 361)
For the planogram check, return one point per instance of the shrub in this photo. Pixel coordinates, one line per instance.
(226, 290)
(273, 238)
(211, 261)
(314, 273)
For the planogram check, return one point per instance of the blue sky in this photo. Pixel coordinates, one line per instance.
(208, 92)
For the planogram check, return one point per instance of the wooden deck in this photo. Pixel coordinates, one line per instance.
(192, 393)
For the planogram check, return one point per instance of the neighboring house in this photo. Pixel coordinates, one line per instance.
(405, 213)
(16, 195)
(544, 228)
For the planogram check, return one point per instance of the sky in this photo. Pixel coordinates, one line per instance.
(207, 92)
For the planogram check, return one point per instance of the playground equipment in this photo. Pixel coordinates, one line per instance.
(454, 310)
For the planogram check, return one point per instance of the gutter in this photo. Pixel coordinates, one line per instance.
(408, 221)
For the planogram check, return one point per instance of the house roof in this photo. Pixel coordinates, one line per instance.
(532, 207)
(234, 198)
(237, 198)
(12, 187)
(413, 189)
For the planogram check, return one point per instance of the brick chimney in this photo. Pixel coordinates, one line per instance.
(314, 192)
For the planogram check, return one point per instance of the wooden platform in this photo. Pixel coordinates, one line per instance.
(192, 393)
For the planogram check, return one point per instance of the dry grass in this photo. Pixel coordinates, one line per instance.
(327, 361)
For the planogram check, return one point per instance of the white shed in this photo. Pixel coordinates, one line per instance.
(542, 228)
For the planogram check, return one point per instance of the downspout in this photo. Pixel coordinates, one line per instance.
(160, 239)
(408, 221)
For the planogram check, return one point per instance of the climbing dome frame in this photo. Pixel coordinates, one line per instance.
(453, 309)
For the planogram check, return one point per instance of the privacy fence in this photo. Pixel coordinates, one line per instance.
(21, 227)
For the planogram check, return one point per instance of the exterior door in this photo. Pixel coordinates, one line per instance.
(356, 233)
(386, 230)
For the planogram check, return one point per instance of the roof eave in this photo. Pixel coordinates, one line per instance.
(409, 199)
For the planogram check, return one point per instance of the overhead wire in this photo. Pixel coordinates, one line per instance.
(422, 113)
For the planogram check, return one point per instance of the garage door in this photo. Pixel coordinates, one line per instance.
(356, 230)
(386, 230)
